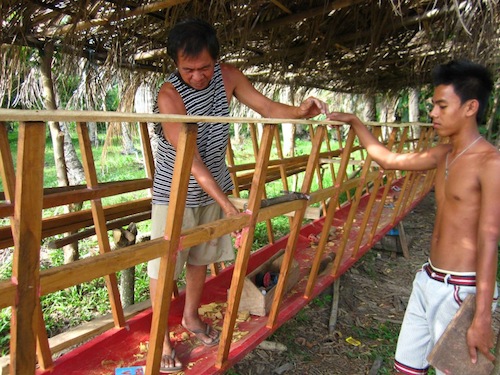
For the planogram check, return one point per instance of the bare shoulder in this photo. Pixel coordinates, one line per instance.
(489, 159)
(228, 69)
(169, 100)
(231, 75)
(439, 152)
(167, 90)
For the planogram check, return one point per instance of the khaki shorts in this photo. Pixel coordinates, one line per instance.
(216, 250)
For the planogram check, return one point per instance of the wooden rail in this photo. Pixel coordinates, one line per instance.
(363, 219)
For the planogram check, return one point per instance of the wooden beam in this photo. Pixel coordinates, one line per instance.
(27, 224)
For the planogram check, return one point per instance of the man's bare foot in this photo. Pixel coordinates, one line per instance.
(203, 331)
(170, 364)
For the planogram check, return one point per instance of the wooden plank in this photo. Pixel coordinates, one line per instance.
(389, 175)
(182, 171)
(368, 212)
(99, 221)
(118, 223)
(73, 221)
(8, 293)
(147, 152)
(83, 270)
(451, 353)
(25, 265)
(346, 150)
(243, 255)
(98, 191)
(295, 229)
(112, 116)
(7, 165)
(85, 331)
(43, 351)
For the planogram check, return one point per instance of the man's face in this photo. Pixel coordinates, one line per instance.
(448, 112)
(196, 71)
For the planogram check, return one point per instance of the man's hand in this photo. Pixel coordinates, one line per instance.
(312, 107)
(480, 337)
(229, 209)
(347, 118)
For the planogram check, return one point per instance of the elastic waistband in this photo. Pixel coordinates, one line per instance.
(449, 278)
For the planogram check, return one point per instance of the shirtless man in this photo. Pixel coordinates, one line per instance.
(202, 86)
(464, 246)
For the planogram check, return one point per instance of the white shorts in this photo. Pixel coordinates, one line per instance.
(434, 300)
(216, 250)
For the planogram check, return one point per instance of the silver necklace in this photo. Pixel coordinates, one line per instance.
(456, 157)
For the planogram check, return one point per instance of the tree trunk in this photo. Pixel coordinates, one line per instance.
(123, 238)
(61, 146)
(237, 134)
(413, 115)
(127, 105)
(413, 98)
(369, 108)
(94, 141)
(388, 112)
(128, 143)
(49, 101)
(288, 130)
(491, 119)
(144, 103)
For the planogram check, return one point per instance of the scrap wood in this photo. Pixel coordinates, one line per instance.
(496, 369)
(335, 306)
(283, 368)
(272, 345)
(376, 366)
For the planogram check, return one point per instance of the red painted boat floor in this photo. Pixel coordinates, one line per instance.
(126, 347)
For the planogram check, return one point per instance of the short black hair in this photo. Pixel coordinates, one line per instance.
(191, 37)
(469, 80)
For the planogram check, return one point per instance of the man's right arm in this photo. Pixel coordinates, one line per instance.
(424, 160)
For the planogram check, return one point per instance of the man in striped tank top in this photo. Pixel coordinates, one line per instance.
(202, 86)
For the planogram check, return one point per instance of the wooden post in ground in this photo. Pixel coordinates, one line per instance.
(161, 306)
(295, 228)
(243, 255)
(99, 221)
(327, 223)
(27, 224)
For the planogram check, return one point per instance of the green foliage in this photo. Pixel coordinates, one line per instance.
(112, 98)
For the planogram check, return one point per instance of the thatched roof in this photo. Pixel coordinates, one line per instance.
(343, 45)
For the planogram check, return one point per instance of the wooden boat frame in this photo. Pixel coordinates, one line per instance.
(363, 219)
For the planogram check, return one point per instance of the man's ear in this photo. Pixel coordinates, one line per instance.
(472, 107)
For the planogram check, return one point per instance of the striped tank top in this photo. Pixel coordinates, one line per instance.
(212, 141)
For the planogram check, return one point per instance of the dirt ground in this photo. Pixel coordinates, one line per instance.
(373, 296)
